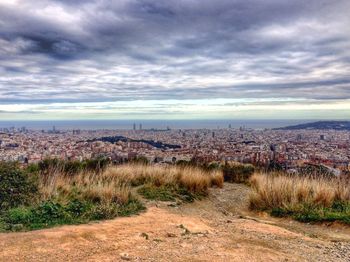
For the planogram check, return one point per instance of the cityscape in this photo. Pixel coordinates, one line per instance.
(289, 149)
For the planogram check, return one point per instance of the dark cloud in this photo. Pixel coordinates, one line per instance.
(73, 51)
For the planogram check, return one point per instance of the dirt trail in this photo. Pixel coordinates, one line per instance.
(219, 228)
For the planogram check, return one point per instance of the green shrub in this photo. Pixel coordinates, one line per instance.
(54, 165)
(237, 173)
(51, 213)
(185, 195)
(168, 193)
(34, 217)
(16, 186)
(134, 206)
(96, 165)
(72, 167)
(183, 163)
(280, 212)
(103, 211)
(314, 214)
(112, 210)
(161, 193)
(19, 215)
(140, 160)
(77, 207)
(212, 166)
(48, 211)
(33, 169)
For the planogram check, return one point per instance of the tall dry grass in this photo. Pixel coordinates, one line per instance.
(192, 178)
(294, 193)
(114, 184)
(86, 185)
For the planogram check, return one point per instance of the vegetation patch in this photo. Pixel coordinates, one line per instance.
(233, 172)
(51, 213)
(56, 193)
(161, 193)
(16, 186)
(169, 193)
(237, 173)
(305, 199)
(193, 179)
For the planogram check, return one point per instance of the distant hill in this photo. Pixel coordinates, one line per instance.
(320, 125)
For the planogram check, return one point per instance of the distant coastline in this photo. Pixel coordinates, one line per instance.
(149, 124)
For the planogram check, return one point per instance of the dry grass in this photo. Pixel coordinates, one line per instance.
(293, 193)
(193, 179)
(114, 184)
(88, 185)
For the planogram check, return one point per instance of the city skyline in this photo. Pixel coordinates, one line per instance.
(140, 59)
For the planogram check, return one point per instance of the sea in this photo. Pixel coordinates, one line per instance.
(149, 124)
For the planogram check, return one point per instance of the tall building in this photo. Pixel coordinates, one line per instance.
(140, 126)
(134, 126)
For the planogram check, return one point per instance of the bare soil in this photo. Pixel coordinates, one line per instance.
(219, 228)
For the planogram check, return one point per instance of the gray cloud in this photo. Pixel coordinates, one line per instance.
(74, 51)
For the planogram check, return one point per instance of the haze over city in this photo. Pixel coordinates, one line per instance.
(133, 59)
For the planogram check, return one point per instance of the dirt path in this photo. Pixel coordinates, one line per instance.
(219, 228)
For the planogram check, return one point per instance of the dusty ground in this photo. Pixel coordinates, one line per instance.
(219, 228)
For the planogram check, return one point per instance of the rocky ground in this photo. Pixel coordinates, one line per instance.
(219, 228)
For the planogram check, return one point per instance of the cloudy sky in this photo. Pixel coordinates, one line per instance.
(174, 59)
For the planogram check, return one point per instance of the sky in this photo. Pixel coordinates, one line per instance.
(174, 59)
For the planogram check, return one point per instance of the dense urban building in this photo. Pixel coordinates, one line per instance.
(289, 149)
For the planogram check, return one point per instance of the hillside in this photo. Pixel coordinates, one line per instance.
(320, 125)
(219, 228)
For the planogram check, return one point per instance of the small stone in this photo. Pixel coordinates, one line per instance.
(125, 256)
(170, 235)
(144, 235)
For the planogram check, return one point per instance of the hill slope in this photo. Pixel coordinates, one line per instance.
(320, 125)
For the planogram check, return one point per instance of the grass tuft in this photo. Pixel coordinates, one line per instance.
(303, 198)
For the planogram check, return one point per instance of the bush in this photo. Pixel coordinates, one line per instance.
(34, 217)
(72, 167)
(19, 215)
(169, 193)
(161, 193)
(212, 166)
(52, 166)
(16, 186)
(112, 210)
(95, 165)
(140, 160)
(78, 207)
(51, 213)
(237, 173)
